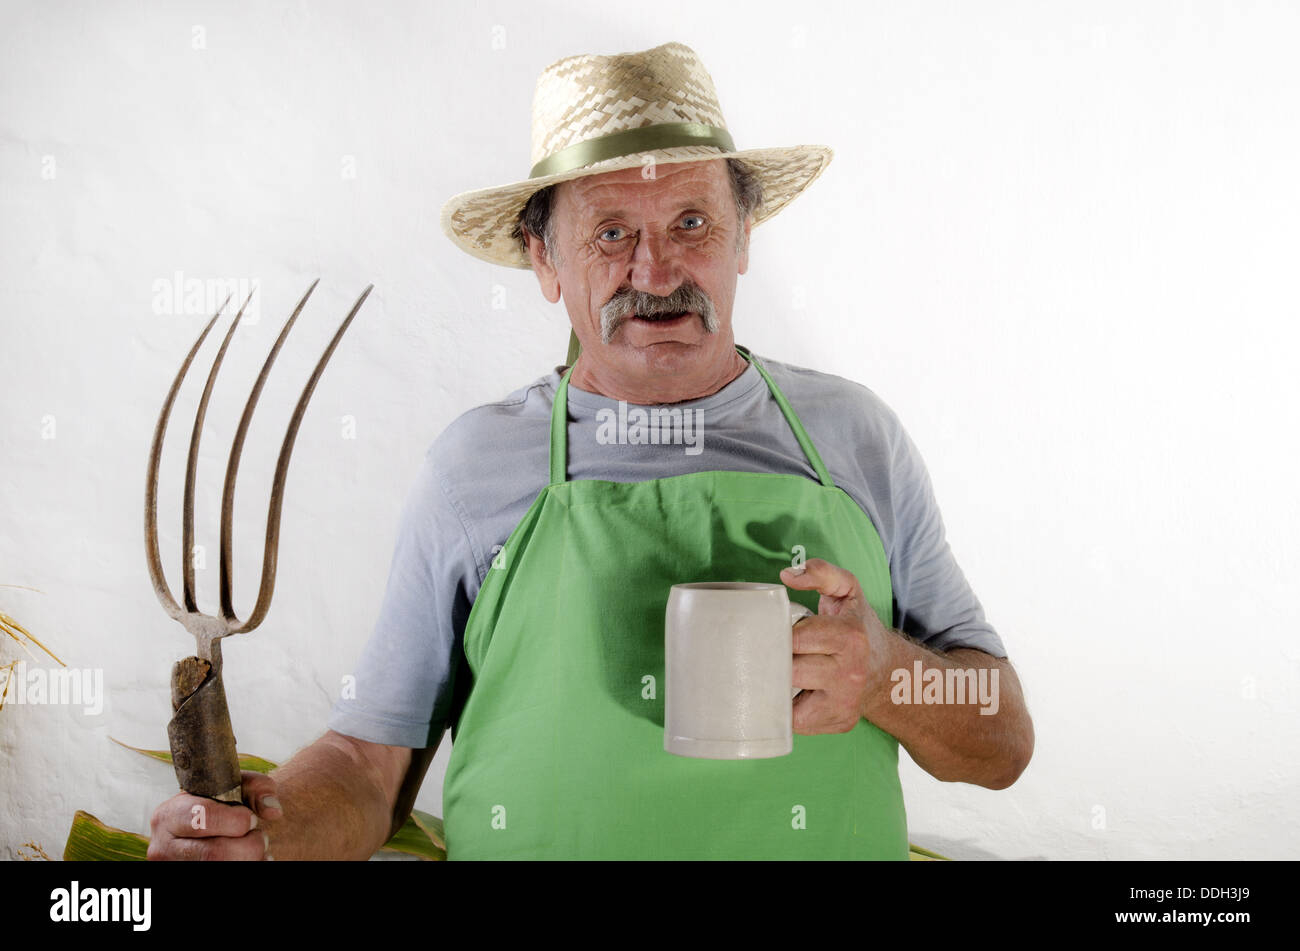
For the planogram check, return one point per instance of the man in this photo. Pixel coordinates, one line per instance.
(525, 604)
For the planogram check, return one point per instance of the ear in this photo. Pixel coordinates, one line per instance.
(742, 262)
(547, 276)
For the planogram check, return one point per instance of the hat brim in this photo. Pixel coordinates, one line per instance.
(481, 222)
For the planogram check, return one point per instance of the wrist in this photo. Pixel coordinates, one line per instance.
(889, 652)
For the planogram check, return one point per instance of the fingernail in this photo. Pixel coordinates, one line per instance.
(270, 802)
(266, 844)
(795, 569)
(253, 825)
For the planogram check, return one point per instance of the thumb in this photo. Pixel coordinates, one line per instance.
(260, 794)
(838, 587)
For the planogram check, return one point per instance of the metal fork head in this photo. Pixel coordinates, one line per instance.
(209, 629)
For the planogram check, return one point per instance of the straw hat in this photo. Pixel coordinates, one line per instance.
(595, 114)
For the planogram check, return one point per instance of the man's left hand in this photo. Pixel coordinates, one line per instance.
(834, 650)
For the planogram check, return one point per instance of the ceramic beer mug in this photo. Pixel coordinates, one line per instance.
(728, 667)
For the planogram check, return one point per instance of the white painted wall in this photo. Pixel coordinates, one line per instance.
(1059, 239)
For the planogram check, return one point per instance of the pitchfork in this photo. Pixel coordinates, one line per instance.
(202, 741)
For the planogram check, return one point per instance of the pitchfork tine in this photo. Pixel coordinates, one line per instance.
(277, 485)
(156, 574)
(232, 466)
(192, 464)
(202, 741)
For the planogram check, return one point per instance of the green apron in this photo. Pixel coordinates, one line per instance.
(558, 750)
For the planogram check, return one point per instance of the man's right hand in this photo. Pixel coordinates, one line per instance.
(193, 828)
(343, 798)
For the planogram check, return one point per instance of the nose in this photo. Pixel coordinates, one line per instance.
(656, 265)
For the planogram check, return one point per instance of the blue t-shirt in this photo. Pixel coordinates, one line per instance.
(485, 470)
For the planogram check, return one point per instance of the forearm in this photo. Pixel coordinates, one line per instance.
(334, 802)
(986, 739)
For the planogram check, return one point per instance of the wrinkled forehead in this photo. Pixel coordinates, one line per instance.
(658, 190)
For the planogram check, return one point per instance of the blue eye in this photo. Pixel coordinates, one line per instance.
(696, 218)
(614, 230)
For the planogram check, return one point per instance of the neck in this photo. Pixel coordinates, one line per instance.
(657, 389)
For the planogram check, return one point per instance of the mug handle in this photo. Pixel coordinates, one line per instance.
(797, 613)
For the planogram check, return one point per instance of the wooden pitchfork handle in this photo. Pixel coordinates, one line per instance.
(202, 741)
(199, 732)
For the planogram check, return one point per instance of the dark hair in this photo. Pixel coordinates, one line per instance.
(536, 216)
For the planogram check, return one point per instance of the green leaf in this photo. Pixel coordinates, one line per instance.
(432, 827)
(246, 760)
(918, 854)
(422, 837)
(256, 763)
(90, 840)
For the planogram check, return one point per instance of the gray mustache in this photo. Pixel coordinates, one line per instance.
(628, 303)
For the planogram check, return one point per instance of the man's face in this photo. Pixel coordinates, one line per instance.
(632, 252)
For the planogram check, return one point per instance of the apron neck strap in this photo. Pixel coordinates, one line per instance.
(560, 426)
(560, 430)
(805, 443)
